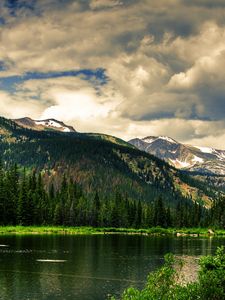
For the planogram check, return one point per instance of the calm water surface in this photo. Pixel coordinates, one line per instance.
(87, 267)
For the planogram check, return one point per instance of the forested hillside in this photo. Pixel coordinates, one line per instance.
(96, 167)
(24, 200)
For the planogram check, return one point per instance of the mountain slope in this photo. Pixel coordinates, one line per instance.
(58, 126)
(98, 164)
(192, 158)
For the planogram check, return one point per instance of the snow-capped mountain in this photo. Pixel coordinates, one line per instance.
(192, 158)
(48, 124)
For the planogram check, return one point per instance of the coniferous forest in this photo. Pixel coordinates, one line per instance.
(25, 200)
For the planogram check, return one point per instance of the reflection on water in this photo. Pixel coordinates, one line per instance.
(85, 267)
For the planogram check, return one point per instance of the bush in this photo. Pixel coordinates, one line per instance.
(162, 284)
(212, 276)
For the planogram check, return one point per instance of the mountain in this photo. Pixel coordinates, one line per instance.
(98, 163)
(55, 125)
(202, 160)
(48, 124)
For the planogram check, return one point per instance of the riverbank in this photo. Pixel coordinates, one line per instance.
(110, 230)
(164, 283)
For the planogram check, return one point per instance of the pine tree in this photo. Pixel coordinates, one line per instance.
(138, 218)
(12, 190)
(159, 213)
(2, 195)
(23, 213)
(96, 210)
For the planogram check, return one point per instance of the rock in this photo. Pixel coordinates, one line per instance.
(211, 232)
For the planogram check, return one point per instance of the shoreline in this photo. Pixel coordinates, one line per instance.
(157, 231)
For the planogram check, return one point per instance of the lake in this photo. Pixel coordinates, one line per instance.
(86, 267)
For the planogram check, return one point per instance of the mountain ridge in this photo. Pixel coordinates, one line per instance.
(183, 156)
(45, 124)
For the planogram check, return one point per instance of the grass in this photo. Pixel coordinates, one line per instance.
(107, 230)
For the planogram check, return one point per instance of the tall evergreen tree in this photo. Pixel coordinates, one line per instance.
(159, 213)
(96, 210)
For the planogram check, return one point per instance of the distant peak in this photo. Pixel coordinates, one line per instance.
(150, 139)
(168, 139)
(204, 160)
(46, 124)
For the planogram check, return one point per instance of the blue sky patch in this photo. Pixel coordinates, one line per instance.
(15, 5)
(97, 77)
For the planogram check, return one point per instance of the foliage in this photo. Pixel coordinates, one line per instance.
(162, 284)
(212, 276)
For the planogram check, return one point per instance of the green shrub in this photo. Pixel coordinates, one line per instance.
(212, 276)
(162, 284)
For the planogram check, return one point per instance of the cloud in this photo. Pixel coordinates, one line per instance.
(15, 107)
(205, 76)
(95, 4)
(164, 67)
(61, 40)
(195, 93)
(186, 131)
(75, 105)
(73, 100)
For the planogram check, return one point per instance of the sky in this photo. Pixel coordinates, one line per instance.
(129, 68)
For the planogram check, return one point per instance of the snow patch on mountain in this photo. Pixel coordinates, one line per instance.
(222, 155)
(205, 149)
(186, 164)
(197, 159)
(67, 130)
(173, 151)
(219, 153)
(53, 123)
(168, 139)
(49, 123)
(180, 164)
(151, 139)
(148, 140)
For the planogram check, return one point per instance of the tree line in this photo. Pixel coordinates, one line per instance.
(25, 200)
